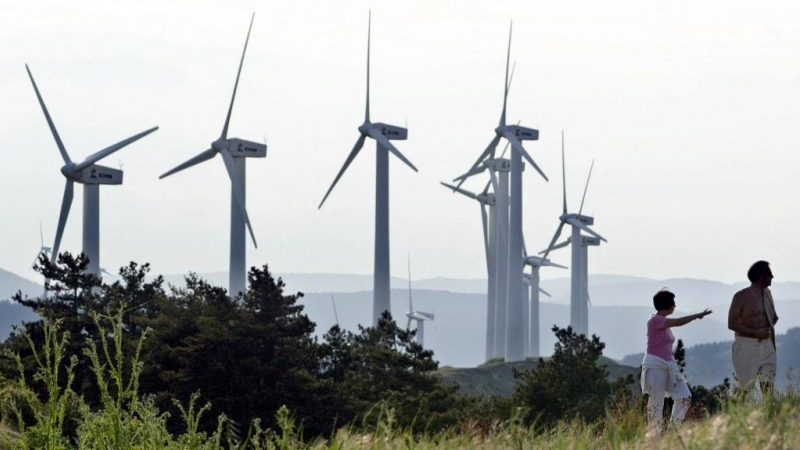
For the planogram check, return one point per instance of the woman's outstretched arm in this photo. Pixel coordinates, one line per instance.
(679, 321)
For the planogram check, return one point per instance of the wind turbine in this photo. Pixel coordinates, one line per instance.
(579, 279)
(382, 134)
(514, 134)
(490, 243)
(532, 300)
(91, 175)
(234, 152)
(418, 316)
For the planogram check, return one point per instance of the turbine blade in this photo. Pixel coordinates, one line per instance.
(378, 136)
(545, 292)
(203, 156)
(490, 149)
(41, 234)
(408, 325)
(350, 158)
(237, 193)
(335, 314)
(505, 82)
(510, 79)
(524, 250)
(552, 264)
(493, 180)
(486, 188)
(109, 150)
(236, 85)
(551, 246)
(587, 186)
(66, 202)
(461, 191)
(563, 173)
(463, 177)
(369, 37)
(50, 123)
(410, 306)
(517, 145)
(485, 221)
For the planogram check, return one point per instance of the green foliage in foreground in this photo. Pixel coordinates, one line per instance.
(247, 355)
(125, 420)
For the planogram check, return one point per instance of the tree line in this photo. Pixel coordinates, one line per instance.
(248, 356)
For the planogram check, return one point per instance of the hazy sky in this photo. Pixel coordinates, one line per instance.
(690, 109)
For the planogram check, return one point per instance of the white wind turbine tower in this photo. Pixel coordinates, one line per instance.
(234, 152)
(91, 175)
(579, 278)
(532, 300)
(514, 134)
(42, 248)
(382, 134)
(490, 243)
(418, 316)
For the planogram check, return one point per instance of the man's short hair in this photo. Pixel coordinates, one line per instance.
(758, 270)
(663, 299)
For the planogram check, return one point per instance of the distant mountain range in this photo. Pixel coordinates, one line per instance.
(619, 311)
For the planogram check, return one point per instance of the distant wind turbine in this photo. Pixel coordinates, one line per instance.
(418, 316)
(234, 152)
(579, 283)
(382, 134)
(43, 248)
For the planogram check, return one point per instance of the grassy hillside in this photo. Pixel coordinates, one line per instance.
(497, 377)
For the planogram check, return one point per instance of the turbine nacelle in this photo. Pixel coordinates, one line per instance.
(241, 148)
(498, 164)
(589, 240)
(393, 133)
(520, 132)
(524, 133)
(586, 220)
(97, 174)
(537, 261)
(419, 316)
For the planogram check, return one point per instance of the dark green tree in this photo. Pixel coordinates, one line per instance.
(384, 365)
(570, 384)
(247, 355)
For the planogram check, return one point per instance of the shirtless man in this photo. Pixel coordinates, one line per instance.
(752, 318)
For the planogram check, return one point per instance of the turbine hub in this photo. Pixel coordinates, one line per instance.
(68, 170)
(220, 145)
(365, 127)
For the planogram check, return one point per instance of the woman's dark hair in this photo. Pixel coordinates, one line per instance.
(663, 299)
(757, 270)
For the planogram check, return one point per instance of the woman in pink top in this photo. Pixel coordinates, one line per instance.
(660, 374)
